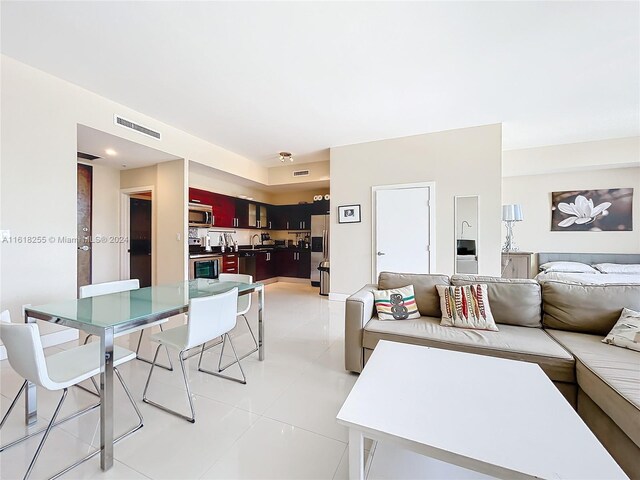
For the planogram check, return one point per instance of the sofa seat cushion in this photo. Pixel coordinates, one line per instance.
(515, 343)
(609, 375)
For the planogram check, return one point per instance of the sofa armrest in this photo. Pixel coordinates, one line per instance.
(359, 310)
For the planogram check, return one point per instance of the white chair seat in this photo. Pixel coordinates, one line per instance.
(175, 337)
(78, 364)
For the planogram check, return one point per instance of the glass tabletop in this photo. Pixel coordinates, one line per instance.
(135, 306)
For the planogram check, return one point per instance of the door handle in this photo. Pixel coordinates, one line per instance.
(381, 254)
(84, 248)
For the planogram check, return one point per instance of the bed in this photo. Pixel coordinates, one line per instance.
(619, 259)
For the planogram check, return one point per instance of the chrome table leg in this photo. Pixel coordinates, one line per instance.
(30, 395)
(260, 323)
(106, 399)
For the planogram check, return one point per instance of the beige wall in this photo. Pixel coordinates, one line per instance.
(533, 192)
(168, 216)
(601, 154)
(291, 198)
(40, 114)
(208, 179)
(460, 162)
(283, 174)
(105, 220)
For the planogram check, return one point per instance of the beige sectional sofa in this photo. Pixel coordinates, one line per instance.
(555, 324)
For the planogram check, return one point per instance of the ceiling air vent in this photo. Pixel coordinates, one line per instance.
(123, 122)
(301, 173)
(87, 156)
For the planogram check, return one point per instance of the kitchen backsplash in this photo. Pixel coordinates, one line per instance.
(243, 236)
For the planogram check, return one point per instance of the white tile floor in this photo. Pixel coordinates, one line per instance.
(280, 425)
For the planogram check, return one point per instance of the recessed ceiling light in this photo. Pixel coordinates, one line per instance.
(111, 152)
(249, 198)
(124, 165)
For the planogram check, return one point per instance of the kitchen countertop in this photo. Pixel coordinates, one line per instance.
(245, 250)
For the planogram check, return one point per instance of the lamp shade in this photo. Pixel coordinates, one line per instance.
(512, 213)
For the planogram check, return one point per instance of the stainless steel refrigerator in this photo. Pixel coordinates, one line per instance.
(319, 245)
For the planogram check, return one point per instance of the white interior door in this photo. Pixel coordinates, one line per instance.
(402, 230)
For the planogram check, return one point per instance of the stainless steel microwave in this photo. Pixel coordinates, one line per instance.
(200, 215)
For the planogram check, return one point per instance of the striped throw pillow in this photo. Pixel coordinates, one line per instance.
(466, 306)
(396, 303)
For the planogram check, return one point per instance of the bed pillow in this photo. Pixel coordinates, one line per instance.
(396, 303)
(567, 267)
(626, 332)
(466, 306)
(630, 268)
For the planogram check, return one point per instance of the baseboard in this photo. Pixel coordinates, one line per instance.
(293, 280)
(50, 339)
(338, 297)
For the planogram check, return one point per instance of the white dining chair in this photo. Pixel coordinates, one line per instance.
(209, 318)
(55, 372)
(244, 305)
(105, 288)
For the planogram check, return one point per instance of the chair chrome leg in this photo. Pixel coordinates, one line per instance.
(115, 440)
(218, 374)
(254, 350)
(206, 347)
(170, 367)
(46, 434)
(13, 404)
(192, 418)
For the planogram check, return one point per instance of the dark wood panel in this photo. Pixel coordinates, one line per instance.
(84, 208)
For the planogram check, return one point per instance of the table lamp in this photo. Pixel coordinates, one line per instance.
(510, 215)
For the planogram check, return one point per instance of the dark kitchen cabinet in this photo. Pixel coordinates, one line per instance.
(304, 264)
(242, 213)
(293, 263)
(224, 210)
(200, 196)
(300, 217)
(265, 265)
(320, 207)
(229, 263)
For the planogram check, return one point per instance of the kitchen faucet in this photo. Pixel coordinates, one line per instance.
(253, 247)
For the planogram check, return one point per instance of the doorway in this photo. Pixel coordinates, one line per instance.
(140, 238)
(137, 227)
(403, 228)
(84, 210)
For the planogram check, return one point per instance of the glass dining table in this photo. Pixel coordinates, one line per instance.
(115, 313)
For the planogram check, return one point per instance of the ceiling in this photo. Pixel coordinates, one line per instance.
(261, 77)
(127, 154)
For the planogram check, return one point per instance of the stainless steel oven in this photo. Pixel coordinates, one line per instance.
(204, 266)
(200, 215)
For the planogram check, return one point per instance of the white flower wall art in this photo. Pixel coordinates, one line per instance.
(592, 210)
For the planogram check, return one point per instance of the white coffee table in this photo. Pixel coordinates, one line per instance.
(501, 418)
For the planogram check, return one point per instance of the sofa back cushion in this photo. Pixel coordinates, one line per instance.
(424, 287)
(512, 301)
(586, 308)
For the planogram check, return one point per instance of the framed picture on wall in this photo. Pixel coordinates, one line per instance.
(608, 210)
(349, 214)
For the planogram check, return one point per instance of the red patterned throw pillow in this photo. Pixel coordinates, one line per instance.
(466, 306)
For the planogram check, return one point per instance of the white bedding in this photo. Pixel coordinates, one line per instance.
(593, 278)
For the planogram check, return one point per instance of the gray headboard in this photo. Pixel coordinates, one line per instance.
(589, 258)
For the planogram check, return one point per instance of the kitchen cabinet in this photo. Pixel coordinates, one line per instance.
(229, 263)
(224, 210)
(241, 213)
(300, 217)
(265, 265)
(200, 196)
(320, 207)
(293, 263)
(263, 217)
(304, 264)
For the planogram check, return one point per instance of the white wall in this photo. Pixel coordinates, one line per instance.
(40, 114)
(105, 220)
(460, 162)
(600, 154)
(533, 192)
(206, 178)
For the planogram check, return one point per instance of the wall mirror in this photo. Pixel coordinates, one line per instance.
(466, 234)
